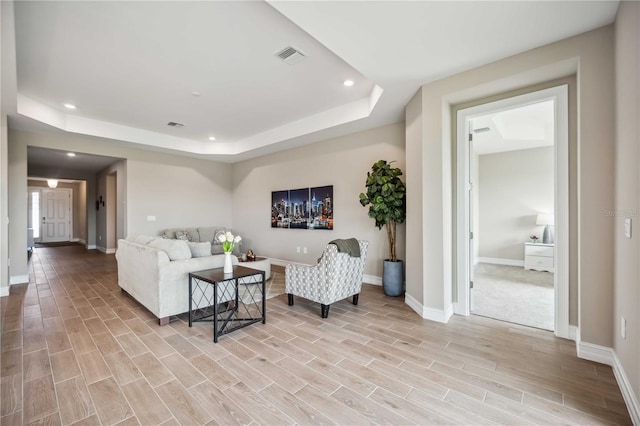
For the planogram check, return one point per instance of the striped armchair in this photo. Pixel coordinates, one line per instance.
(335, 277)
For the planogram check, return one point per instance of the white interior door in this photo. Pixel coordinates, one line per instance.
(56, 215)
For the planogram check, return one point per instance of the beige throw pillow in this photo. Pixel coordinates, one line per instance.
(200, 249)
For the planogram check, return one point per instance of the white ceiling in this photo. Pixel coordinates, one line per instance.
(525, 127)
(131, 67)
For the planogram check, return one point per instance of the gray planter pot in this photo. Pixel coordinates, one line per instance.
(392, 278)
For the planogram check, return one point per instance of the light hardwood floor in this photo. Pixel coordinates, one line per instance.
(77, 350)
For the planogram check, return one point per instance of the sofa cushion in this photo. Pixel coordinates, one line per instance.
(200, 249)
(175, 249)
(208, 233)
(140, 239)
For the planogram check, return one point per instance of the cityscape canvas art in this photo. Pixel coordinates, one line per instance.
(304, 208)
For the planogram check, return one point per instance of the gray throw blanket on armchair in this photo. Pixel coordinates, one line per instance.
(349, 246)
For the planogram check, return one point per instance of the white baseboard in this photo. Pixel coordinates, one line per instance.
(106, 250)
(283, 263)
(4, 291)
(597, 353)
(573, 333)
(497, 261)
(74, 240)
(91, 247)
(608, 356)
(630, 398)
(432, 314)
(18, 279)
(372, 279)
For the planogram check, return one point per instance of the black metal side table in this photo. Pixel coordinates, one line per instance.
(230, 301)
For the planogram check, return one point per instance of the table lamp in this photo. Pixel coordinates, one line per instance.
(546, 220)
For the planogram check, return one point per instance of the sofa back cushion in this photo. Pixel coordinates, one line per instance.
(200, 249)
(186, 234)
(175, 249)
(140, 239)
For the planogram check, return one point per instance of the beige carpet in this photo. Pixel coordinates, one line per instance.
(509, 293)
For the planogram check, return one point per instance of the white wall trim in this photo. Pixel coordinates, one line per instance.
(597, 353)
(608, 356)
(18, 279)
(372, 279)
(498, 261)
(283, 263)
(91, 247)
(106, 250)
(438, 315)
(74, 240)
(4, 291)
(573, 333)
(630, 398)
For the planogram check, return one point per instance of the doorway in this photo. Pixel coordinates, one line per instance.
(507, 251)
(56, 213)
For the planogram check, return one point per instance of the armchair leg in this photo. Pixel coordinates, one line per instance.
(355, 298)
(325, 310)
(290, 299)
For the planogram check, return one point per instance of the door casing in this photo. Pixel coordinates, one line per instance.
(559, 95)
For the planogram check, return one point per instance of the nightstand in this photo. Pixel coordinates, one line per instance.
(539, 257)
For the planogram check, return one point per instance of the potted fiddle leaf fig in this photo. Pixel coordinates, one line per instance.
(385, 196)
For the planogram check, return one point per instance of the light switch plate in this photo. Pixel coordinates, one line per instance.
(151, 218)
(627, 227)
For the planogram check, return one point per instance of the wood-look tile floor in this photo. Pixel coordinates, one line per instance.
(77, 350)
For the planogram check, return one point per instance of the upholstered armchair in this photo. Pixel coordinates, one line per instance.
(336, 276)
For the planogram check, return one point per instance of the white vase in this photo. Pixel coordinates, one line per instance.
(228, 263)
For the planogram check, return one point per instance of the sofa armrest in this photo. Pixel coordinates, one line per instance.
(139, 272)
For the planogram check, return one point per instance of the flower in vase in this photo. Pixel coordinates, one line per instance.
(534, 238)
(229, 241)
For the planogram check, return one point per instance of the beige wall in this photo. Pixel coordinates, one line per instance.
(342, 162)
(589, 56)
(514, 187)
(627, 190)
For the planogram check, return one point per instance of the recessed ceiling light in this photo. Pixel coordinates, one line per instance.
(348, 83)
(69, 106)
(71, 154)
(212, 138)
(196, 93)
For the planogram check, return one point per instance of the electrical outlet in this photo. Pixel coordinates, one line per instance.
(304, 250)
(623, 328)
(298, 249)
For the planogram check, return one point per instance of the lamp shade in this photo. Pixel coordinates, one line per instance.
(53, 183)
(544, 219)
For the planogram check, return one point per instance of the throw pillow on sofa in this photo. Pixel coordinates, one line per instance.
(183, 235)
(175, 249)
(200, 249)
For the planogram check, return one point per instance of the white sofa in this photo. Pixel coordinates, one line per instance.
(147, 272)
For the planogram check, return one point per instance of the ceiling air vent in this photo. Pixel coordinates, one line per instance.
(481, 130)
(290, 55)
(174, 124)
